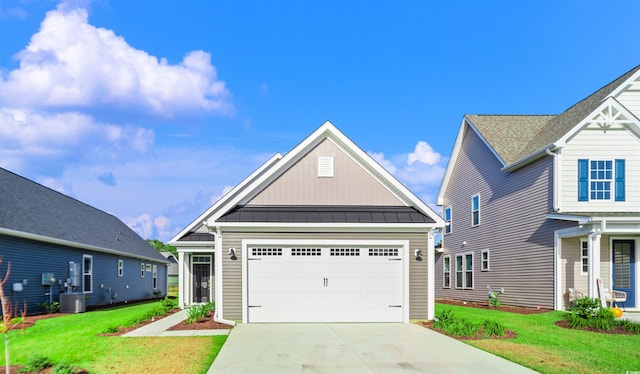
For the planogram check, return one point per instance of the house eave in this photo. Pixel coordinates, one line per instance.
(540, 153)
(67, 243)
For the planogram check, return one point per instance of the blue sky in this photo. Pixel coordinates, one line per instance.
(150, 110)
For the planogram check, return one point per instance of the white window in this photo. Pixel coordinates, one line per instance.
(475, 210)
(120, 268)
(446, 272)
(468, 270)
(484, 260)
(141, 270)
(584, 256)
(325, 166)
(155, 276)
(601, 180)
(459, 268)
(148, 268)
(87, 273)
(447, 220)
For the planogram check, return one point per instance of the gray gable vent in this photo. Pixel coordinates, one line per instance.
(325, 166)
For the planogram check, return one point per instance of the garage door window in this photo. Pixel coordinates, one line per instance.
(266, 251)
(344, 252)
(306, 251)
(383, 252)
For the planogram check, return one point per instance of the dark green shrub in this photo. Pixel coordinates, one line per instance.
(492, 328)
(63, 368)
(169, 303)
(35, 364)
(587, 312)
(630, 326)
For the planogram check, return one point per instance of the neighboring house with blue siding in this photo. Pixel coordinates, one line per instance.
(47, 237)
(540, 204)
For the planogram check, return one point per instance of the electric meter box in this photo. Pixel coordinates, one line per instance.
(48, 279)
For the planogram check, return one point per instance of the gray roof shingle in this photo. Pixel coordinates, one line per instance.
(31, 208)
(514, 137)
(326, 214)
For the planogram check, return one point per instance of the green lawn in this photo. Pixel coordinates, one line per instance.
(75, 339)
(544, 347)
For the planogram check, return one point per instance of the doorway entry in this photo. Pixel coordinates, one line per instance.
(201, 270)
(624, 278)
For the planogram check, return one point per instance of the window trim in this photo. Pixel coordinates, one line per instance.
(120, 268)
(155, 276)
(446, 274)
(475, 212)
(617, 187)
(584, 260)
(461, 271)
(484, 262)
(86, 273)
(466, 271)
(447, 220)
(142, 270)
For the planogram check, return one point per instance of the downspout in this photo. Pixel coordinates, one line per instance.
(556, 183)
(431, 263)
(218, 276)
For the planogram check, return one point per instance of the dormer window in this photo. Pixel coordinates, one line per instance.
(325, 166)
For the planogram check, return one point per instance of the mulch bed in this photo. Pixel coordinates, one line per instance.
(617, 330)
(206, 323)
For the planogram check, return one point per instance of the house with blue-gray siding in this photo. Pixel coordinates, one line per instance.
(60, 249)
(537, 206)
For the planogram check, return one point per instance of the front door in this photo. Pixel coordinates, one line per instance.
(201, 283)
(624, 269)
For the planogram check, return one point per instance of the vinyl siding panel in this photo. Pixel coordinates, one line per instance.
(513, 227)
(631, 100)
(29, 259)
(351, 184)
(232, 269)
(597, 144)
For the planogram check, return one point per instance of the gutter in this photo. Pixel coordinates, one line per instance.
(68, 243)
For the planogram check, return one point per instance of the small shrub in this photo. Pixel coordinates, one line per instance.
(169, 303)
(492, 328)
(111, 330)
(630, 326)
(35, 364)
(586, 307)
(604, 320)
(197, 312)
(50, 308)
(64, 368)
(493, 300)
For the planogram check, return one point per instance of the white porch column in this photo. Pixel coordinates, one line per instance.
(594, 263)
(181, 280)
(431, 263)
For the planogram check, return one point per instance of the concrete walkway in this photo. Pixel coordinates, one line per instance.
(351, 348)
(161, 326)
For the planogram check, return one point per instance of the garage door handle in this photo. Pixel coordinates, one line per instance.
(395, 306)
(255, 306)
(395, 259)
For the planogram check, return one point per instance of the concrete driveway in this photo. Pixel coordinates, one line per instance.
(351, 348)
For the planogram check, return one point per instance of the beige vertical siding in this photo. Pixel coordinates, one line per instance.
(351, 184)
(232, 270)
(513, 227)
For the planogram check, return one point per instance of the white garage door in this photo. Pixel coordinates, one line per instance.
(325, 284)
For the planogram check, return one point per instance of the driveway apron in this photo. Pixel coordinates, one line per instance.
(351, 348)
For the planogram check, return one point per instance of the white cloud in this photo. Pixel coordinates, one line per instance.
(71, 64)
(216, 197)
(424, 154)
(420, 170)
(142, 224)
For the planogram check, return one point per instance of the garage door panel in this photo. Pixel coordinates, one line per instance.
(340, 284)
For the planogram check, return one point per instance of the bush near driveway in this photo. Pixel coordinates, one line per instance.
(547, 348)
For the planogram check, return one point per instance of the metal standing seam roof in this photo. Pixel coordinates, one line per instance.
(514, 137)
(326, 214)
(35, 209)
